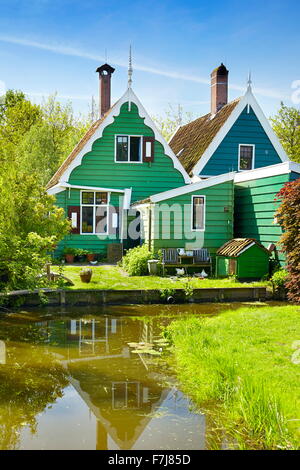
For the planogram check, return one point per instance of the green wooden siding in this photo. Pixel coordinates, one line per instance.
(255, 207)
(218, 220)
(98, 168)
(93, 243)
(246, 130)
(253, 263)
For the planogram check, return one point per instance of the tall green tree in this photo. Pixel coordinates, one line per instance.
(51, 139)
(30, 223)
(286, 124)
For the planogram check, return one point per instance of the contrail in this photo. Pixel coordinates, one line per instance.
(71, 51)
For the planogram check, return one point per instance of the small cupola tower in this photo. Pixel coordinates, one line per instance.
(219, 88)
(105, 73)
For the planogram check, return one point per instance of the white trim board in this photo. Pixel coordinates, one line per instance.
(214, 180)
(58, 188)
(267, 171)
(129, 96)
(247, 100)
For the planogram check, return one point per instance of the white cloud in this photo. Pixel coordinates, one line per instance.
(71, 51)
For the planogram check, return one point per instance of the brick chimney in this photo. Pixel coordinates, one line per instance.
(219, 88)
(105, 73)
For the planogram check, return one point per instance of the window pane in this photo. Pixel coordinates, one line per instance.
(87, 219)
(122, 149)
(101, 219)
(246, 156)
(87, 197)
(198, 213)
(135, 149)
(101, 198)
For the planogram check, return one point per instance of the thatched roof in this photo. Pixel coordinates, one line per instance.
(190, 141)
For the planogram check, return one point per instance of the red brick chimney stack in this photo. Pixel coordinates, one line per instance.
(219, 88)
(105, 73)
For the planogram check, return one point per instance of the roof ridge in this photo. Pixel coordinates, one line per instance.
(193, 138)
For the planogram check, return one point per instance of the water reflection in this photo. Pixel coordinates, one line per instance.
(73, 382)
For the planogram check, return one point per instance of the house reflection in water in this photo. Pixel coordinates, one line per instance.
(124, 391)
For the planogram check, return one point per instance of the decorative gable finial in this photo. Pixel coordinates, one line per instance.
(249, 82)
(130, 69)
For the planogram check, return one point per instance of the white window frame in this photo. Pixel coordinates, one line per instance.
(204, 213)
(253, 156)
(94, 206)
(141, 148)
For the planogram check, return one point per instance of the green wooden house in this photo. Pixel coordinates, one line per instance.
(124, 185)
(121, 159)
(244, 258)
(194, 216)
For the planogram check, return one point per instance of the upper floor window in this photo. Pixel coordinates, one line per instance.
(198, 212)
(128, 148)
(94, 212)
(246, 157)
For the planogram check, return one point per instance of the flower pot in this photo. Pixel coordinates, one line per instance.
(69, 258)
(90, 257)
(86, 275)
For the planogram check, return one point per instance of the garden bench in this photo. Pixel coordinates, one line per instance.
(172, 259)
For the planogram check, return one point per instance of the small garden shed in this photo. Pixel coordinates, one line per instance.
(244, 258)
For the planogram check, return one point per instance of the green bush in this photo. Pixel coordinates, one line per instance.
(135, 262)
(279, 278)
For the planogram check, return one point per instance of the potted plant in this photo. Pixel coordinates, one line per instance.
(90, 256)
(69, 254)
(86, 275)
(81, 254)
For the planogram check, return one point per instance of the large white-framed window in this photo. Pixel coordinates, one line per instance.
(94, 212)
(246, 157)
(128, 148)
(198, 213)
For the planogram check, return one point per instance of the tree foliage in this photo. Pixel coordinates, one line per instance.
(288, 216)
(286, 124)
(172, 119)
(51, 139)
(30, 223)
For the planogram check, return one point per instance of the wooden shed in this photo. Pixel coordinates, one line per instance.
(244, 258)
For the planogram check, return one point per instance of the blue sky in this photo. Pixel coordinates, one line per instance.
(56, 45)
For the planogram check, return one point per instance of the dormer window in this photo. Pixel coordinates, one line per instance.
(246, 157)
(128, 148)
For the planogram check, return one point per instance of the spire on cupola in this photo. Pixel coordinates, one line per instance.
(249, 82)
(130, 71)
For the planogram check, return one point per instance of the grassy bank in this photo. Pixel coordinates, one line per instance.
(113, 277)
(242, 368)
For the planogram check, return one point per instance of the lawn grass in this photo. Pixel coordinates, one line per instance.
(240, 367)
(113, 277)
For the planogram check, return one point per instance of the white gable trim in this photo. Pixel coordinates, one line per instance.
(58, 188)
(214, 180)
(246, 100)
(267, 171)
(129, 96)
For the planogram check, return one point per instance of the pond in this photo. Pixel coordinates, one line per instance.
(70, 380)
